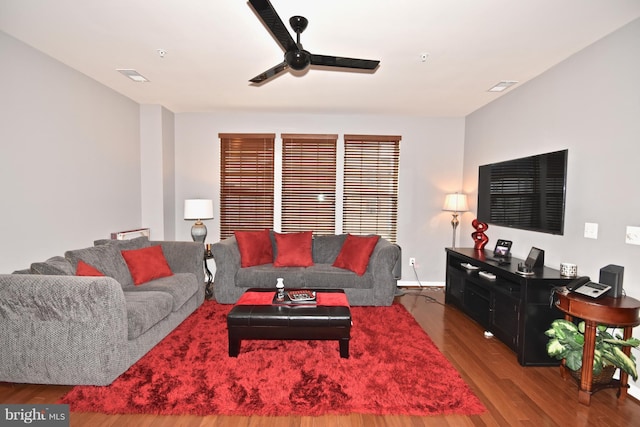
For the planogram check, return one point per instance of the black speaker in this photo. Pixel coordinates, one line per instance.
(612, 275)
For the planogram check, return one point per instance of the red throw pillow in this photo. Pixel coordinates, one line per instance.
(146, 264)
(355, 253)
(255, 247)
(294, 249)
(84, 269)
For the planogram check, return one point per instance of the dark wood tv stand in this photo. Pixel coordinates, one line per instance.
(516, 309)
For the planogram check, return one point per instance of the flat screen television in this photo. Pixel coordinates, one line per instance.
(526, 193)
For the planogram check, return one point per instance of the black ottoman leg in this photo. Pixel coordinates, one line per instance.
(234, 346)
(344, 347)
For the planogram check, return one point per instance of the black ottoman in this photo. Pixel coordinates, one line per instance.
(289, 322)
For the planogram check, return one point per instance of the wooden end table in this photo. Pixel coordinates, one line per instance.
(623, 312)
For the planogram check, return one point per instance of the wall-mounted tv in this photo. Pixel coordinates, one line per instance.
(526, 193)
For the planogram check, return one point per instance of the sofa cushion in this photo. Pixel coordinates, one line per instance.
(355, 253)
(265, 276)
(326, 248)
(146, 264)
(181, 287)
(325, 276)
(124, 245)
(255, 247)
(84, 269)
(294, 249)
(56, 265)
(106, 258)
(145, 309)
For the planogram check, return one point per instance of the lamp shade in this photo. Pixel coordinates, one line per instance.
(198, 209)
(456, 202)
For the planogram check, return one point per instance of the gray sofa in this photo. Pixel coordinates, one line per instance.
(376, 287)
(58, 328)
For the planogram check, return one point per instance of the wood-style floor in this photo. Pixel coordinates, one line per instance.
(512, 394)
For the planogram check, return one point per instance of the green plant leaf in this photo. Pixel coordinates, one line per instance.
(625, 363)
(573, 361)
(556, 349)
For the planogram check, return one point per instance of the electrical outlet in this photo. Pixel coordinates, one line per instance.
(412, 261)
(633, 235)
(591, 230)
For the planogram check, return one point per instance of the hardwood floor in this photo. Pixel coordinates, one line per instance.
(512, 394)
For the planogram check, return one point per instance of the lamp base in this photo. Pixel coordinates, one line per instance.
(454, 224)
(199, 232)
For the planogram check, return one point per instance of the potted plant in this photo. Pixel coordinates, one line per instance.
(566, 341)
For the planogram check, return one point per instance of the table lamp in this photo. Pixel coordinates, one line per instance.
(198, 209)
(455, 203)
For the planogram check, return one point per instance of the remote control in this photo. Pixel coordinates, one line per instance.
(487, 275)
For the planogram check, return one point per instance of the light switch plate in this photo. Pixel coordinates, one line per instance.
(591, 230)
(633, 235)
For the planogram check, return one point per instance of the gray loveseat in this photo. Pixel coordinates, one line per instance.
(58, 328)
(376, 287)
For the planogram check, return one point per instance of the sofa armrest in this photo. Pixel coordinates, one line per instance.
(184, 257)
(62, 329)
(381, 265)
(226, 255)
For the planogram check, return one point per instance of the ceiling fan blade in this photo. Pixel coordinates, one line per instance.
(337, 61)
(271, 72)
(270, 18)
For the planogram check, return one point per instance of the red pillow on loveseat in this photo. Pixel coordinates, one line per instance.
(255, 247)
(294, 249)
(355, 253)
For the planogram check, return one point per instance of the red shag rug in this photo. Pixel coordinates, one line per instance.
(394, 368)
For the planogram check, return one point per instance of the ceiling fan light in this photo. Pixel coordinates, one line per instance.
(298, 59)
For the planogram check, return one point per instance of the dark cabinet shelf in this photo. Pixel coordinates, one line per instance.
(516, 309)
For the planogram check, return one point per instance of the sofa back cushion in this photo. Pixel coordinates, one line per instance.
(105, 258)
(125, 245)
(326, 248)
(56, 265)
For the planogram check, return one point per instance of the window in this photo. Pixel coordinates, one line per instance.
(371, 185)
(312, 198)
(246, 182)
(309, 183)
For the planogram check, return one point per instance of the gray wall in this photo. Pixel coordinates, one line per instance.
(590, 104)
(69, 158)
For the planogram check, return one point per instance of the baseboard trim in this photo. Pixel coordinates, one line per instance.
(416, 284)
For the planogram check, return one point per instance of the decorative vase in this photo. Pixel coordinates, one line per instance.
(480, 239)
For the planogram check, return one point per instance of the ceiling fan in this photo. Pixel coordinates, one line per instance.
(295, 56)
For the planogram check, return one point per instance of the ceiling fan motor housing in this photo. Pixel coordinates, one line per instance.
(298, 59)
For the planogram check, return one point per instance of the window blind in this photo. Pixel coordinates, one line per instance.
(308, 183)
(246, 182)
(371, 185)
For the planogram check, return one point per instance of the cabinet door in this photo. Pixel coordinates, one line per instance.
(504, 322)
(477, 303)
(455, 287)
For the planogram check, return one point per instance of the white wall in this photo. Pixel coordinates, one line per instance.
(69, 158)
(157, 171)
(590, 104)
(430, 164)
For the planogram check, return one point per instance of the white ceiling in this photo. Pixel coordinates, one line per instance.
(215, 46)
